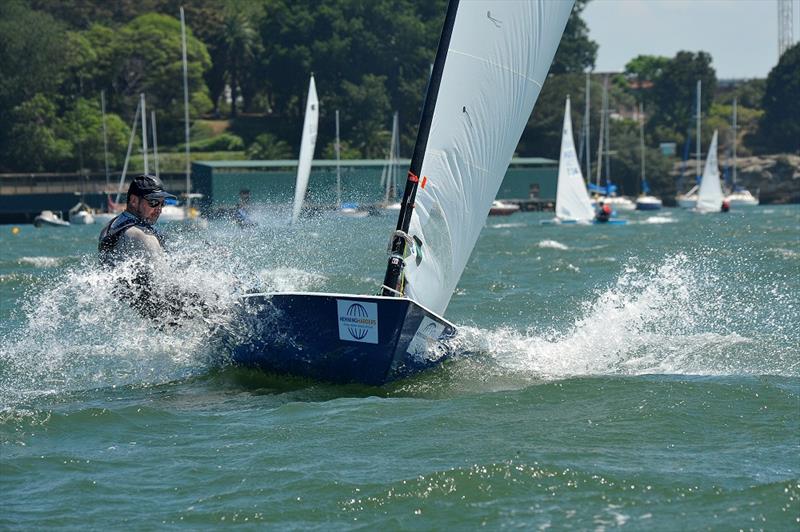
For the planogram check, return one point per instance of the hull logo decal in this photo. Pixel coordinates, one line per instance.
(358, 321)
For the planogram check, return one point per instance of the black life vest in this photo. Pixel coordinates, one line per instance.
(111, 233)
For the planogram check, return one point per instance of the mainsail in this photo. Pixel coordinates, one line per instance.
(709, 197)
(572, 199)
(494, 65)
(306, 149)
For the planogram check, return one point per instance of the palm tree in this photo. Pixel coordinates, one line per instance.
(240, 42)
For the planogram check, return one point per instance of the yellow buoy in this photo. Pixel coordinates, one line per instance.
(15, 230)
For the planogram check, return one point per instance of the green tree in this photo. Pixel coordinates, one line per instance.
(32, 47)
(576, 52)
(35, 143)
(673, 95)
(148, 59)
(82, 127)
(267, 146)
(779, 128)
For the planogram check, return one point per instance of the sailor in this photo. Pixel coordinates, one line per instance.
(603, 213)
(132, 237)
(242, 214)
(726, 205)
(131, 234)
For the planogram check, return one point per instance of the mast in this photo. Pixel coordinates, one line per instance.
(105, 134)
(608, 137)
(338, 166)
(392, 282)
(602, 133)
(586, 124)
(697, 147)
(128, 154)
(155, 140)
(641, 146)
(144, 132)
(186, 111)
(733, 183)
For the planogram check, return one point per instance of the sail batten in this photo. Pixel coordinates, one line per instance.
(496, 60)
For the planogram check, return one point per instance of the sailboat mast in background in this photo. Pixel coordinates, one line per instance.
(105, 135)
(155, 141)
(587, 128)
(144, 132)
(338, 165)
(699, 137)
(186, 112)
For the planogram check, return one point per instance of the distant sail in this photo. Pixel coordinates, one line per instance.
(497, 61)
(572, 199)
(306, 149)
(709, 197)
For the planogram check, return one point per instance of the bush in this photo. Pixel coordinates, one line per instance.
(268, 147)
(223, 142)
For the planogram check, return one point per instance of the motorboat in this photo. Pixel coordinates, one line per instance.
(648, 203)
(81, 214)
(50, 218)
(741, 198)
(502, 208)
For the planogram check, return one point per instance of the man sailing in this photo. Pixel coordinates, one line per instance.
(131, 237)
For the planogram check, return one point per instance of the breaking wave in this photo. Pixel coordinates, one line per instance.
(680, 318)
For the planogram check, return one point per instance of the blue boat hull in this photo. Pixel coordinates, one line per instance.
(339, 338)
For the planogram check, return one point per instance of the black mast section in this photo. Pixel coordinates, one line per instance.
(394, 270)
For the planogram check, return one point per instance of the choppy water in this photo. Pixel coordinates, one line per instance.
(645, 376)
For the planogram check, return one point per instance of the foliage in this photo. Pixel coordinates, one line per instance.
(780, 126)
(267, 146)
(673, 95)
(576, 52)
(224, 142)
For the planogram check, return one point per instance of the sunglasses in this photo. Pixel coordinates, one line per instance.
(155, 203)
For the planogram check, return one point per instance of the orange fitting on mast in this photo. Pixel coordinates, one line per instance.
(412, 177)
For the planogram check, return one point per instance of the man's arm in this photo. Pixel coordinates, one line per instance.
(136, 242)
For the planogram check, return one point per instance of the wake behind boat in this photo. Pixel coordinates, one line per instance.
(491, 62)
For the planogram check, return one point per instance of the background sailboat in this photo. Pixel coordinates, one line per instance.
(389, 175)
(645, 202)
(307, 144)
(491, 62)
(709, 195)
(607, 194)
(739, 196)
(689, 199)
(573, 204)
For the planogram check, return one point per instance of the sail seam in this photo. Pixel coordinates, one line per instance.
(504, 67)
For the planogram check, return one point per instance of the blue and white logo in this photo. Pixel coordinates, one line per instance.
(426, 339)
(358, 321)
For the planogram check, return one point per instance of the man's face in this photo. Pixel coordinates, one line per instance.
(147, 210)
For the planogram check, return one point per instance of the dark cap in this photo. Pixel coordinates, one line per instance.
(148, 187)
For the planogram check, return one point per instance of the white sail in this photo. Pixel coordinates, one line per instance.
(572, 199)
(709, 197)
(306, 149)
(498, 58)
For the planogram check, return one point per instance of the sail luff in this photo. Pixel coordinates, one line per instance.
(392, 283)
